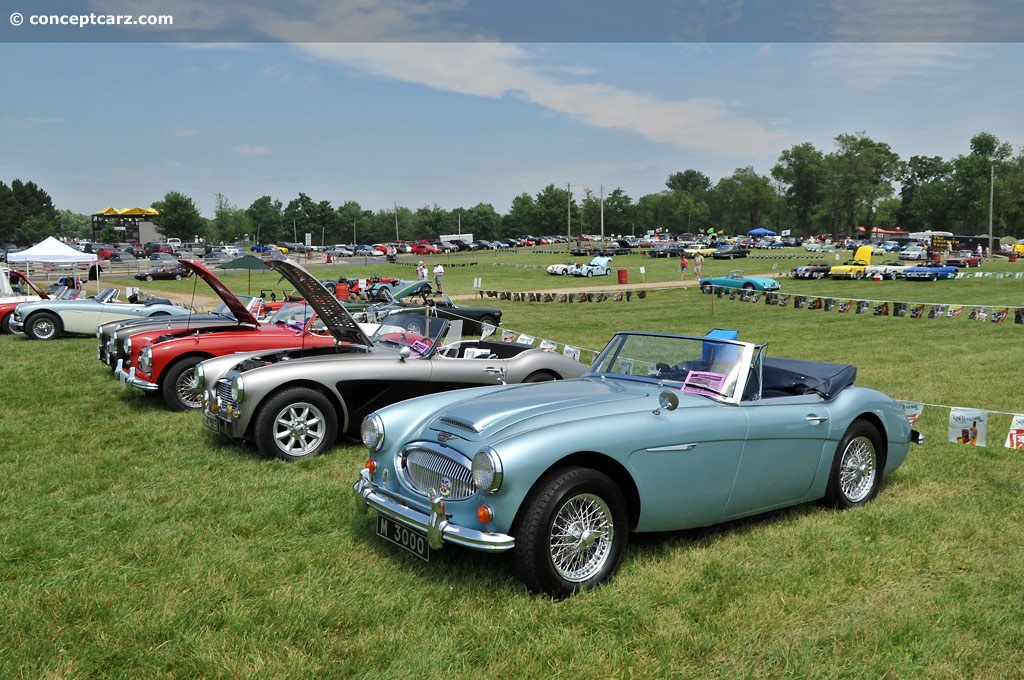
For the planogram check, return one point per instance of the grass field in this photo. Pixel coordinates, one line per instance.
(135, 545)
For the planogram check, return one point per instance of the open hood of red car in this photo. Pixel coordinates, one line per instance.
(237, 307)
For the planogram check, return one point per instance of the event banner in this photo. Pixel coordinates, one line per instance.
(1015, 437)
(968, 426)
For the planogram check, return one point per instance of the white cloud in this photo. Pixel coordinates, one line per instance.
(250, 150)
(499, 70)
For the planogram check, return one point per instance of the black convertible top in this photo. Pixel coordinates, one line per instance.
(787, 377)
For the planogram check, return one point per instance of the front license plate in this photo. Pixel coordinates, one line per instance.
(413, 540)
(211, 423)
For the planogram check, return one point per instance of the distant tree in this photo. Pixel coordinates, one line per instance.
(692, 182)
(350, 220)
(750, 199)
(21, 202)
(925, 194)
(178, 217)
(550, 215)
(229, 223)
(860, 174)
(73, 225)
(800, 170)
(430, 221)
(520, 217)
(482, 221)
(265, 215)
(619, 213)
(973, 179)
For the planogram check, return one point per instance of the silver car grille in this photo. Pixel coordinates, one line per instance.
(433, 474)
(224, 393)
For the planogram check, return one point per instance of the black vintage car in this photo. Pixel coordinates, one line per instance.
(730, 252)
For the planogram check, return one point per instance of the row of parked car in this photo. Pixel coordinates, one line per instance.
(464, 452)
(861, 266)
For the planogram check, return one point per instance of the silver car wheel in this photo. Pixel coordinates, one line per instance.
(299, 429)
(856, 473)
(187, 389)
(857, 469)
(581, 537)
(44, 326)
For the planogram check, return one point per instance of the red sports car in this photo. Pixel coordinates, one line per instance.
(164, 364)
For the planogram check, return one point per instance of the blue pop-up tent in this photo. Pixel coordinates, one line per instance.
(760, 231)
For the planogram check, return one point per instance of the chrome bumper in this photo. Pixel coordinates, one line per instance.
(438, 529)
(128, 378)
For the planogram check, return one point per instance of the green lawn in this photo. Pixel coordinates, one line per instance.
(135, 545)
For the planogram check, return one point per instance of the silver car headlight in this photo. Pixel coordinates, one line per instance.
(372, 432)
(487, 471)
(200, 376)
(146, 359)
(237, 389)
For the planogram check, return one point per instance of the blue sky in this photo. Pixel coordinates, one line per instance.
(424, 113)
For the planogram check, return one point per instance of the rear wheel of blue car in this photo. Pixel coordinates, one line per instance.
(571, 533)
(296, 424)
(857, 467)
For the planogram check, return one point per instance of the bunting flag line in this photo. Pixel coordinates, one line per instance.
(895, 309)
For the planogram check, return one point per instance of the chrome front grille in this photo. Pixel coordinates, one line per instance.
(224, 394)
(434, 474)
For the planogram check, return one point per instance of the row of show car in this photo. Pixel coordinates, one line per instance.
(505, 447)
(862, 267)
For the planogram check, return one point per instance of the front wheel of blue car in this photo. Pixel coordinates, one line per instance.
(297, 423)
(571, 533)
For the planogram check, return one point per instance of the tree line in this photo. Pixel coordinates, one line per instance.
(861, 182)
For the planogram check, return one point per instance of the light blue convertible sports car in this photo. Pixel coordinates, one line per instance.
(736, 279)
(665, 432)
(49, 319)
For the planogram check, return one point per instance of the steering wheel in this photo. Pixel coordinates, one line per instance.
(414, 341)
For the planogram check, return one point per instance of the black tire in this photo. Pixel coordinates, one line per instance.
(488, 319)
(178, 385)
(706, 288)
(295, 424)
(43, 326)
(748, 286)
(149, 277)
(590, 272)
(856, 473)
(540, 376)
(177, 277)
(571, 532)
(5, 324)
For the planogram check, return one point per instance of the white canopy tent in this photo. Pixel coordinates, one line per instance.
(52, 251)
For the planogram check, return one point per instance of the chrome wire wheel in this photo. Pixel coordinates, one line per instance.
(857, 469)
(581, 538)
(187, 389)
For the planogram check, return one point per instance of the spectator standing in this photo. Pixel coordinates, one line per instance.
(684, 264)
(698, 265)
(438, 276)
(421, 271)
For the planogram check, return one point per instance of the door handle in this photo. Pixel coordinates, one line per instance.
(815, 420)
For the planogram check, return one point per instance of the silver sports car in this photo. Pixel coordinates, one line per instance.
(294, 407)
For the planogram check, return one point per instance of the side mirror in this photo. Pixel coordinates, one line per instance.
(668, 401)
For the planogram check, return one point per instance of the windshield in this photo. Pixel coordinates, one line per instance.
(714, 366)
(421, 334)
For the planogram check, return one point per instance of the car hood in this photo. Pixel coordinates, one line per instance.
(236, 306)
(516, 408)
(327, 307)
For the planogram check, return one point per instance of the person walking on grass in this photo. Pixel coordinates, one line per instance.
(438, 276)
(698, 266)
(684, 264)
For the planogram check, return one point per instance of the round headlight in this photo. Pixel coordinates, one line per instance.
(200, 376)
(372, 432)
(146, 359)
(237, 390)
(486, 470)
